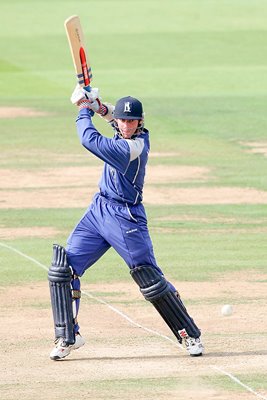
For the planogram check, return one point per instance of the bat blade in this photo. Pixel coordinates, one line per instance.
(78, 50)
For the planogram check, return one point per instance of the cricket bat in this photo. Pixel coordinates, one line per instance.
(78, 51)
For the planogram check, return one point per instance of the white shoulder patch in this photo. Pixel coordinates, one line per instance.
(136, 147)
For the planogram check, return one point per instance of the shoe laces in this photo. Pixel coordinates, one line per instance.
(60, 342)
(189, 341)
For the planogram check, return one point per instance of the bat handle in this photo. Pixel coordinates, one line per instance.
(87, 88)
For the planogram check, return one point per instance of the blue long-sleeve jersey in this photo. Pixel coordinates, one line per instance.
(125, 160)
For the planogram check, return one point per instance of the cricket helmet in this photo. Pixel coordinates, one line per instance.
(128, 108)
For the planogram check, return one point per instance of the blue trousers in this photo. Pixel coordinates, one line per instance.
(108, 224)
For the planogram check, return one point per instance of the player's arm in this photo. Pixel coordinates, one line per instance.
(116, 153)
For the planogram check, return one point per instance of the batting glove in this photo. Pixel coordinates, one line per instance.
(96, 106)
(80, 93)
(88, 99)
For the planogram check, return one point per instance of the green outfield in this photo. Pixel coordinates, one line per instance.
(200, 69)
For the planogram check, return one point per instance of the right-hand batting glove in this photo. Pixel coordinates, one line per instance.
(88, 99)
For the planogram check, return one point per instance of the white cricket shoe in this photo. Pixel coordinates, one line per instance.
(194, 346)
(79, 341)
(62, 349)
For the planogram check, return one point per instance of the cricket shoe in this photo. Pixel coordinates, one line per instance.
(62, 349)
(194, 346)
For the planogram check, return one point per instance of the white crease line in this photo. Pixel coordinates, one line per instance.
(131, 321)
(232, 377)
(240, 383)
(24, 255)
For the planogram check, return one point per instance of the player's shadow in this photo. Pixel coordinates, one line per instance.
(236, 353)
(171, 357)
(126, 358)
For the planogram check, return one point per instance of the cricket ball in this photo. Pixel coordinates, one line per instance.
(227, 309)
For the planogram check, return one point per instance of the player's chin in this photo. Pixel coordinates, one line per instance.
(127, 135)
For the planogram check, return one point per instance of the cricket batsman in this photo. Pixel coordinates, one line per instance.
(115, 218)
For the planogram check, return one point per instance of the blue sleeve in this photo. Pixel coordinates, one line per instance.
(114, 152)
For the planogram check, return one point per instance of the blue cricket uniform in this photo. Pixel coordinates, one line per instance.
(116, 217)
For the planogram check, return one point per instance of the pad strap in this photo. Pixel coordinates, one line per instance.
(76, 294)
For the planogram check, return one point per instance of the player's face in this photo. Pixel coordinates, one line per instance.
(127, 127)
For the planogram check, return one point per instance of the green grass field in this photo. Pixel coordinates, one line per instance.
(200, 69)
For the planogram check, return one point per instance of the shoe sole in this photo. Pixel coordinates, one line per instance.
(196, 355)
(57, 358)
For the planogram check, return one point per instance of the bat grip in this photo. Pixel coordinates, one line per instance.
(87, 88)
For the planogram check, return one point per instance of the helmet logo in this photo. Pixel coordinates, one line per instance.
(127, 107)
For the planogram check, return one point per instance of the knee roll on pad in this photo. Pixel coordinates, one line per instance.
(156, 289)
(152, 285)
(60, 276)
